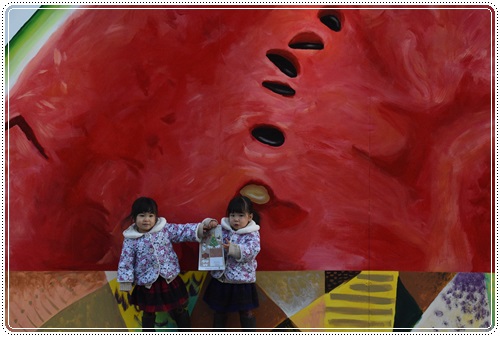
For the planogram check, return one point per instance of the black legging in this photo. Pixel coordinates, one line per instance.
(247, 320)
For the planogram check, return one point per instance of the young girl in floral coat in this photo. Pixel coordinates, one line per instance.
(148, 260)
(233, 289)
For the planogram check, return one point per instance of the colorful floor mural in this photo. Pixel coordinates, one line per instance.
(306, 301)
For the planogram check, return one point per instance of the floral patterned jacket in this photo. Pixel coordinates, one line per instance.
(240, 266)
(146, 256)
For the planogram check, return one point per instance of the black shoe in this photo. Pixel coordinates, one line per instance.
(182, 318)
(148, 321)
(248, 323)
(219, 324)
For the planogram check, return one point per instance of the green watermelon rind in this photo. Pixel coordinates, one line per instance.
(31, 37)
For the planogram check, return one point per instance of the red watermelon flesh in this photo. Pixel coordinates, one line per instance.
(376, 155)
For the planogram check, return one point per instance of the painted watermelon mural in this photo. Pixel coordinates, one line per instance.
(363, 136)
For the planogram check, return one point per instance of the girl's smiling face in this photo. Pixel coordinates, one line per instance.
(239, 220)
(145, 221)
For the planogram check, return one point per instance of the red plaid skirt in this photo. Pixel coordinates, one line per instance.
(162, 296)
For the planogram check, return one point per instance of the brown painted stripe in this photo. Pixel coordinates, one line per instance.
(359, 311)
(361, 298)
(376, 277)
(355, 323)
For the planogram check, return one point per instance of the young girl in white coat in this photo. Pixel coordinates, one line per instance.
(233, 289)
(149, 262)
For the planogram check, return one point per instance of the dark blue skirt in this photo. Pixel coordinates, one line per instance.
(229, 297)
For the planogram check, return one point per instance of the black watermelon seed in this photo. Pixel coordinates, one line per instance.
(285, 65)
(332, 22)
(269, 135)
(306, 45)
(281, 89)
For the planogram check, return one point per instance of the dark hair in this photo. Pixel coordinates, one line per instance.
(143, 205)
(242, 204)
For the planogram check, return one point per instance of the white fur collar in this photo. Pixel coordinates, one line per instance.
(133, 233)
(251, 227)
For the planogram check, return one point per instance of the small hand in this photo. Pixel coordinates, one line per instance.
(212, 224)
(226, 244)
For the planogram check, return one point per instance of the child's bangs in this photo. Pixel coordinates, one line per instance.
(238, 206)
(145, 205)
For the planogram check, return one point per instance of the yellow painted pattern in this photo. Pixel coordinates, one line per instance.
(193, 281)
(191, 276)
(365, 303)
(310, 319)
(130, 316)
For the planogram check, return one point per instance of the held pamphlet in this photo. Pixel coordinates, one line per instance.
(211, 250)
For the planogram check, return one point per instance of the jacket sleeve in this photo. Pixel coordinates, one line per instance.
(249, 248)
(125, 286)
(125, 272)
(184, 233)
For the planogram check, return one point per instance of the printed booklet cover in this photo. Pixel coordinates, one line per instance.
(211, 250)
